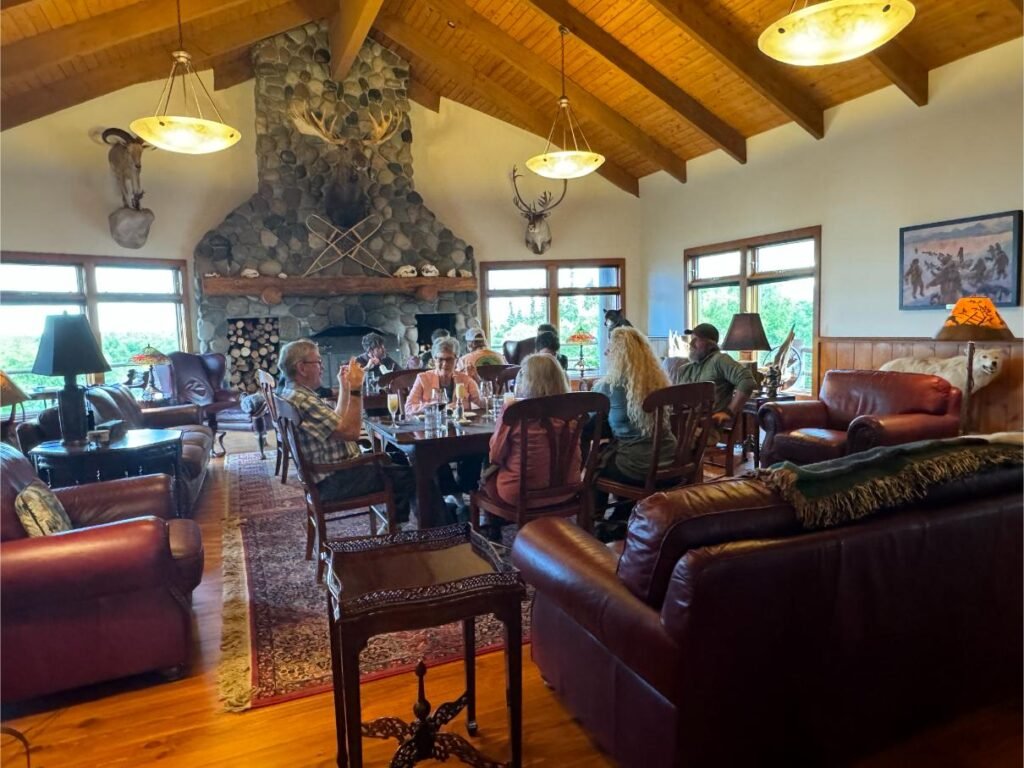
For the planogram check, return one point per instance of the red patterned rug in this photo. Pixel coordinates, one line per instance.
(275, 645)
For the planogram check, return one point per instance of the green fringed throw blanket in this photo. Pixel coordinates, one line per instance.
(842, 490)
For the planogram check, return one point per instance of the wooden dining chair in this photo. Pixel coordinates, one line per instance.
(267, 386)
(398, 383)
(723, 453)
(562, 419)
(504, 380)
(686, 410)
(491, 373)
(380, 506)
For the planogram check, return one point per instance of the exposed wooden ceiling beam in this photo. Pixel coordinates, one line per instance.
(762, 74)
(1019, 5)
(95, 34)
(423, 96)
(349, 27)
(585, 103)
(5, 4)
(618, 55)
(897, 63)
(213, 43)
(466, 76)
(232, 70)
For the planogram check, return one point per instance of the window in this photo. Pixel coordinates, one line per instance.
(571, 295)
(773, 275)
(129, 302)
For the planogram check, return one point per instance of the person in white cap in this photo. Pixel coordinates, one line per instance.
(478, 354)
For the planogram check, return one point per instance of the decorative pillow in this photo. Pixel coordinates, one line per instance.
(40, 512)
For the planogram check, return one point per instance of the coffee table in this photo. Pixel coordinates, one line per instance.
(412, 580)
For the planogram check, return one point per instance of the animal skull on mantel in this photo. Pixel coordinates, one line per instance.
(538, 233)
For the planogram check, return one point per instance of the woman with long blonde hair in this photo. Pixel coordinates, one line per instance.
(633, 374)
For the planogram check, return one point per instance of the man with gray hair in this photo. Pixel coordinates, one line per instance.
(328, 435)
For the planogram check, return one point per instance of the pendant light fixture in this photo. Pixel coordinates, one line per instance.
(834, 31)
(567, 163)
(188, 132)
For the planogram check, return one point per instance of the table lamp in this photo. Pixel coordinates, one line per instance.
(746, 334)
(67, 349)
(150, 356)
(581, 338)
(10, 394)
(974, 318)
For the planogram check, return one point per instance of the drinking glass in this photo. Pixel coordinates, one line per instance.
(486, 393)
(393, 407)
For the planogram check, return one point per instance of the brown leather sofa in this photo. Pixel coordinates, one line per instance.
(857, 410)
(116, 402)
(725, 635)
(199, 379)
(108, 599)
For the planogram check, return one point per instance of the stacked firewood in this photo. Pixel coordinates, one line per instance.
(253, 344)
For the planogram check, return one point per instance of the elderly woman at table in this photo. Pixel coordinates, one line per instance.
(445, 352)
(540, 375)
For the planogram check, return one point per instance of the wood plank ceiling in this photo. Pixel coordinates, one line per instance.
(654, 82)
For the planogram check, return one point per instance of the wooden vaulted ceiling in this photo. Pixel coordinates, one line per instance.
(653, 82)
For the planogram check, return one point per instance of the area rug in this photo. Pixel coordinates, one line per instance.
(274, 644)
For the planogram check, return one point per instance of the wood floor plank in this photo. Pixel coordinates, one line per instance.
(145, 721)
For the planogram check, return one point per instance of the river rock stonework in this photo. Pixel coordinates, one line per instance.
(268, 233)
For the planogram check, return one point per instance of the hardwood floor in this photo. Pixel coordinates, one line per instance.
(146, 721)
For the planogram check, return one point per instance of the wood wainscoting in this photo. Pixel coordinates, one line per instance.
(995, 408)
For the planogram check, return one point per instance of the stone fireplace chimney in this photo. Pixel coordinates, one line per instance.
(278, 235)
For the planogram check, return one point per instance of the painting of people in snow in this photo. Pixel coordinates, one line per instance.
(977, 256)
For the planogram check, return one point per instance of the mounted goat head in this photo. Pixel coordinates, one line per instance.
(125, 158)
(345, 199)
(538, 234)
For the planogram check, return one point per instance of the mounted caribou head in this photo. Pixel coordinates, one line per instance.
(538, 234)
(345, 198)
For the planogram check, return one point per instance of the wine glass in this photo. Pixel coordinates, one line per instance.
(393, 407)
(487, 392)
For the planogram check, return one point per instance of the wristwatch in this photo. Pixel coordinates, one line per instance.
(356, 392)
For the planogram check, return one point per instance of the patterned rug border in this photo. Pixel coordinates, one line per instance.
(238, 669)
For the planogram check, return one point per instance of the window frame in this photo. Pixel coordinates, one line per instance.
(90, 298)
(552, 292)
(748, 279)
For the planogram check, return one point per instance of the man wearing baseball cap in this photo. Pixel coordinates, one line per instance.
(733, 382)
(478, 354)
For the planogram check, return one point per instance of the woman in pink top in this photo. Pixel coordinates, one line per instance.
(539, 376)
(444, 376)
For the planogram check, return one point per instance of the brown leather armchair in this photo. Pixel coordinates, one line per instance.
(115, 401)
(199, 379)
(726, 635)
(108, 599)
(857, 410)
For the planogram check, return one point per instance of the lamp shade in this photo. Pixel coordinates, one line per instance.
(581, 337)
(10, 393)
(68, 348)
(746, 333)
(150, 355)
(974, 318)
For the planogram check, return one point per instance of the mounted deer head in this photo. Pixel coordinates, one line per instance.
(538, 234)
(345, 199)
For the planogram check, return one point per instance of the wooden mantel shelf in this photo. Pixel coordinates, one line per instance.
(272, 289)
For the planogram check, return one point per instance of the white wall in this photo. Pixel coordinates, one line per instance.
(462, 161)
(56, 189)
(884, 163)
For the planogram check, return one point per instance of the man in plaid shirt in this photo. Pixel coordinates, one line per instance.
(328, 435)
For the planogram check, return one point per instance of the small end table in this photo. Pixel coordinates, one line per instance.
(752, 435)
(412, 580)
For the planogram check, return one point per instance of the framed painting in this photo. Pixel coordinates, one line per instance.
(976, 256)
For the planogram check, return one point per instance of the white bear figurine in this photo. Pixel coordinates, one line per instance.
(988, 364)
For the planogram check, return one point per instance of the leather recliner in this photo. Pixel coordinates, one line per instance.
(726, 635)
(115, 401)
(199, 379)
(857, 410)
(108, 599)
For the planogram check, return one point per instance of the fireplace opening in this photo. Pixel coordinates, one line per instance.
(427, 324)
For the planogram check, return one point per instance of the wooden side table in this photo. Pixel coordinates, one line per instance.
(751, 429)
(139, 452)
(412, 580)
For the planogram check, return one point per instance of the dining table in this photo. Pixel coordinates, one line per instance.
(429, 449)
